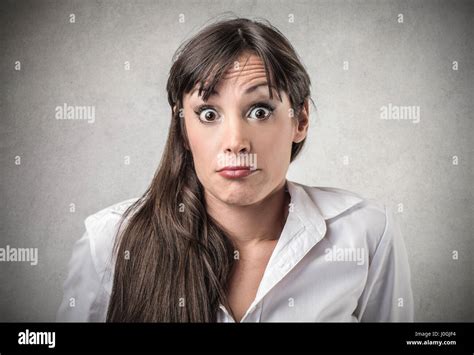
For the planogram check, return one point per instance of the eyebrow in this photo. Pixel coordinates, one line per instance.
(246, 92)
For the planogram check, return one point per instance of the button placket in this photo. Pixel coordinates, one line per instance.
(228, 317)
(259, 311)
(248, 313)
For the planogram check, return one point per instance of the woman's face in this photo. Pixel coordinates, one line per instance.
(240, 126)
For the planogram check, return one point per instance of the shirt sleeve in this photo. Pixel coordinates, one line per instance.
(388, 296)
(84, 297)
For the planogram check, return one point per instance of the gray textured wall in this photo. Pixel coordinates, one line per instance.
(426, 166)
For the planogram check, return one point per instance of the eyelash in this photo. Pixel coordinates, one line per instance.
(265, 105)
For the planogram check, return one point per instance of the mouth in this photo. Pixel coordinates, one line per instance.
(236, 172)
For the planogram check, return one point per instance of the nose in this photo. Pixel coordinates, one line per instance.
(236, 137)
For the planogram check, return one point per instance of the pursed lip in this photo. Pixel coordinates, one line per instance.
(233, 168)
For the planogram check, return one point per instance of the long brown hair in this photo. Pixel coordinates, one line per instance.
(173, 260)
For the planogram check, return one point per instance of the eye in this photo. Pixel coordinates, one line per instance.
(207, 114)
(261, 111)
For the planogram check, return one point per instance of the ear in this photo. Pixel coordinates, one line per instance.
(302, 124)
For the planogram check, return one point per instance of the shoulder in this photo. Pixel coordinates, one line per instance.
(350, 215)
(334, 202)
(102, 227)
(111, 211)
(338, 202)
(89, 279)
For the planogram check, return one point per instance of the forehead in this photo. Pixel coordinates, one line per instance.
(246, 75)
(246, 67)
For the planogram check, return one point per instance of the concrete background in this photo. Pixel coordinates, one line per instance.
(82, 63)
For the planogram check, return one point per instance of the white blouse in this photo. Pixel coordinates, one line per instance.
(340, 258)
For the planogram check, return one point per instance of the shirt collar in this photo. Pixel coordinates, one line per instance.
(327, 202)
(310, 208)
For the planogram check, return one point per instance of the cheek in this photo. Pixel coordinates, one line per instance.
(274, 143)
(201, 144)
(192, 132)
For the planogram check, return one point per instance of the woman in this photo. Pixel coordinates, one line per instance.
(221, 234)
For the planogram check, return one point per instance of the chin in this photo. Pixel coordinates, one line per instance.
(239, 194)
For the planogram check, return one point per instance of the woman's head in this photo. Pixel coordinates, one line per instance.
(173, 260)
(240, 97)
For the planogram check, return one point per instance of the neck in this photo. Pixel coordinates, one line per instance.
(253, 224)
